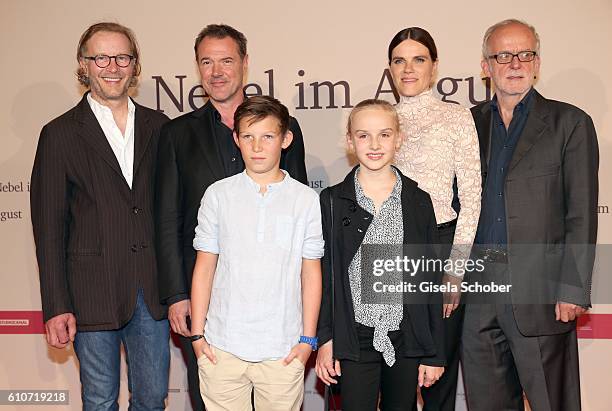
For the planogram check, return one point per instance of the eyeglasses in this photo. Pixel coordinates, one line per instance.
(103, 61)
(506, 57)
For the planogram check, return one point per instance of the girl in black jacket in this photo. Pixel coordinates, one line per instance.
(379, 340)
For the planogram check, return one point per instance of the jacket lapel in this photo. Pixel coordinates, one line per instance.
(142, 136)
(204, 131)
(92, 133)
(483, 128)
(534, 128)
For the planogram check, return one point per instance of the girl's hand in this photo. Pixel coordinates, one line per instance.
(326, 367)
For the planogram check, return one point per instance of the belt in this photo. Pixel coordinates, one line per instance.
(492, 255)
(448, 224)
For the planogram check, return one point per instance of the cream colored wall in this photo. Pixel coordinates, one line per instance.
(342, 40)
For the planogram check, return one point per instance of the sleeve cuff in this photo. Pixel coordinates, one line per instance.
(208, 245)
(313, 250)
(176, 298)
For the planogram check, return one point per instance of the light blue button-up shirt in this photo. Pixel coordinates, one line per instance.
(255, 310)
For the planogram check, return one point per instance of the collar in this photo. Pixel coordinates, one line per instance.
(423, 99)
(270, 187)
(346, 188)
(524, 104)
(101, 109)
(396, 192)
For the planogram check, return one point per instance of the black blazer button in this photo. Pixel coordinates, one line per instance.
(346, 221)
(134, 248)
(353, 208)
(135, 210)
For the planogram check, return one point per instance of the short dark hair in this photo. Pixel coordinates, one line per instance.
(257, 108)
(417, 34)
(113, 28)
(220, 31)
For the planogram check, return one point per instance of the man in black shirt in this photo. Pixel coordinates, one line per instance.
(196, 150)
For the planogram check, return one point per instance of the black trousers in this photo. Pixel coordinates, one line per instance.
(441, 396)
(193, 379)
(499, 363)
(362, 380)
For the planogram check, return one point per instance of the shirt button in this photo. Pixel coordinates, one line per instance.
(134, 248)
(500, 194)
(233, 159)
(499, 219)
(135, 210)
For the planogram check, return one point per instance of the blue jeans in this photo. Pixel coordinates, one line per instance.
(146, 345)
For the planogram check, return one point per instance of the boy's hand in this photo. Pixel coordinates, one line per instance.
(201, 347)
(326, 367)
(428, 375)
(301, 351)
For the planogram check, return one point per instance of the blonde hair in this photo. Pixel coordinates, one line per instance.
(373, 103)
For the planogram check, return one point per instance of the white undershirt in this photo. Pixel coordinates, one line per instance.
(122, 146)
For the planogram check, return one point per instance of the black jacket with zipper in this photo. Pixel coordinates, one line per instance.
(421, 326)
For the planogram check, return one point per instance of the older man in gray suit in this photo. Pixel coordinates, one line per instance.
(537, 231)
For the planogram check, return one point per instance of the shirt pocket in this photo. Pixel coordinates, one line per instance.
(283, 232)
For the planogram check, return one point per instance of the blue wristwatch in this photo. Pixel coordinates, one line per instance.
(312, 341)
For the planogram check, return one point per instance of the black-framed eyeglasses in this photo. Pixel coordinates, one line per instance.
(506, 57)
(102, 60)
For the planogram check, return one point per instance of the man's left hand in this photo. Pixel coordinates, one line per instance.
(567, 312)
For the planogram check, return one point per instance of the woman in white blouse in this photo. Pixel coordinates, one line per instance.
(440, 145)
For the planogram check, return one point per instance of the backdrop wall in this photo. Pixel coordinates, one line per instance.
(296, 51)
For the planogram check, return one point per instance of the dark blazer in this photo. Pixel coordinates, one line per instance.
(93, 235)
(421, 326)
(188, 163)
(550, 192)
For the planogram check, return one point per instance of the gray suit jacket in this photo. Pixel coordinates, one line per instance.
(551, 192)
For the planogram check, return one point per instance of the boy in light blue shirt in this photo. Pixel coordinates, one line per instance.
(256, 287)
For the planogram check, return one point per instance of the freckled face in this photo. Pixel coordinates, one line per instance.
(261, 143)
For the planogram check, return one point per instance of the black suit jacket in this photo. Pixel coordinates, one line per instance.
(421, 326)
(93, 234)
(188, 162)
(551, 191)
